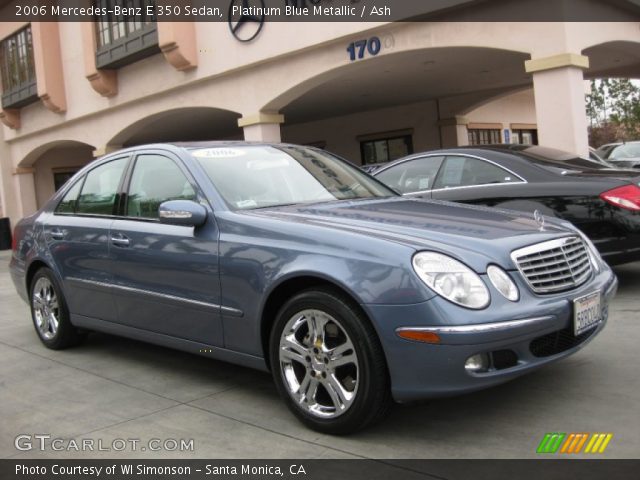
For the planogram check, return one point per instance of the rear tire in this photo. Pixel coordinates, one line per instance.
(328, 364)
(50, 313)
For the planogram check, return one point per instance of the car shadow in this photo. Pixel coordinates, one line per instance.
(628, 277)
(164, 365)
(457, 419)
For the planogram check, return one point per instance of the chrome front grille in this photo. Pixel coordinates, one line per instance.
(554, 266)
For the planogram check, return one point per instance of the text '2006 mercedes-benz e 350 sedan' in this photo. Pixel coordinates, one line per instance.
(289, 259)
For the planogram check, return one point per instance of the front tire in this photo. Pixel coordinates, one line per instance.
(50, 313)
(328, 364)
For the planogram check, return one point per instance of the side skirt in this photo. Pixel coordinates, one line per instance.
(190, 346)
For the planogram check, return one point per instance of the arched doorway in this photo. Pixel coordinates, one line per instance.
(52, 165)
(381, 108)
(179, 125)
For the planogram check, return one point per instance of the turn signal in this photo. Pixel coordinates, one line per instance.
(419, 336)
(627, 197)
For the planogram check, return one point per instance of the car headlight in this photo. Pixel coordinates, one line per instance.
(503, 283)
(594, 254)
(451, 279)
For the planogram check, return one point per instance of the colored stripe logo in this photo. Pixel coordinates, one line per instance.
(574, 443)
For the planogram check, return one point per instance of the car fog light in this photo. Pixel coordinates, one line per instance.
(477, 363)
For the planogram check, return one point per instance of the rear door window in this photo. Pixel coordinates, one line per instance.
(413, 176)
(99, 192)
(468, 171)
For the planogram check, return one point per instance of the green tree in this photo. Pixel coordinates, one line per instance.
(613, 108)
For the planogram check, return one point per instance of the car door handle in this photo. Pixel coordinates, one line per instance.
(57, 234)
(120, 240)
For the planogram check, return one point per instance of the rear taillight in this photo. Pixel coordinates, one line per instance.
(627, 197)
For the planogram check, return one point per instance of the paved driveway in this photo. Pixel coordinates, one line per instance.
(111, 388)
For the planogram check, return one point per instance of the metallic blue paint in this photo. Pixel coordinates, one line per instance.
(190, 288)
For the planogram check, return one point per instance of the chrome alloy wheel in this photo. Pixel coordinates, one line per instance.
(46, 308)
(319, 364)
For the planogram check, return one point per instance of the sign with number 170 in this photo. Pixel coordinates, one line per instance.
(358, 49)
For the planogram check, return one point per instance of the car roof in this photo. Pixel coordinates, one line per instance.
(617, 144)
(504, 150)
(508, 156)
(177, 146)
(226, 143)
(205, 144)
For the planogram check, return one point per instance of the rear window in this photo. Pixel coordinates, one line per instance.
(100, 188)
(629, 150)
(558, 159)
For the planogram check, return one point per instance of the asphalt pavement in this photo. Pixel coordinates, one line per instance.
(111, 392)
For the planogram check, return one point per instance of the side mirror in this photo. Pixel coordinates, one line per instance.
(182, 212)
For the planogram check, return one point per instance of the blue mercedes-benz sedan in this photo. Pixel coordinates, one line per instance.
(289, 259)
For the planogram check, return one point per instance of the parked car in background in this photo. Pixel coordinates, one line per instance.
(620, 154)
(287, 258)
(372, 167)
(593, 155)
(602, 202)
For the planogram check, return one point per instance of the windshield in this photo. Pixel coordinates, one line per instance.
(250, 177)
(628, 150)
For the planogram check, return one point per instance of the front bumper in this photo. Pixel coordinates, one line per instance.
(536, 330)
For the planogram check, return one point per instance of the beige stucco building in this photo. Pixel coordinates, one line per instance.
(431, 84)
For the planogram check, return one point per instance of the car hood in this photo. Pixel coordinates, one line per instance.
(472, 233)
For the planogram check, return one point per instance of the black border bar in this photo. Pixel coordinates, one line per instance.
(334, 10)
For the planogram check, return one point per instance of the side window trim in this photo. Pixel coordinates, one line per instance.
(511, 172)
(123, 187)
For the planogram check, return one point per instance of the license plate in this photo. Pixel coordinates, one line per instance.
(587, 313)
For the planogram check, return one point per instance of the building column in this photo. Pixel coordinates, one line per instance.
(558, 85)
(8, 202)
(25, 189)
(105, 82)
(47, 59)
(262, 127)
(453, 131)
(177, 41)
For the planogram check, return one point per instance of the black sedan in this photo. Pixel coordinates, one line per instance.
(603, 202)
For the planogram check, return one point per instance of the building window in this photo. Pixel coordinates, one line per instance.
(18, 70)
(484, 136)
(322, 145)
(382, 150)
(60, 177)
(524, 137)
(125, 39)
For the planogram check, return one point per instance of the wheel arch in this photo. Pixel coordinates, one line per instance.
(291, 286)
(34, 266)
